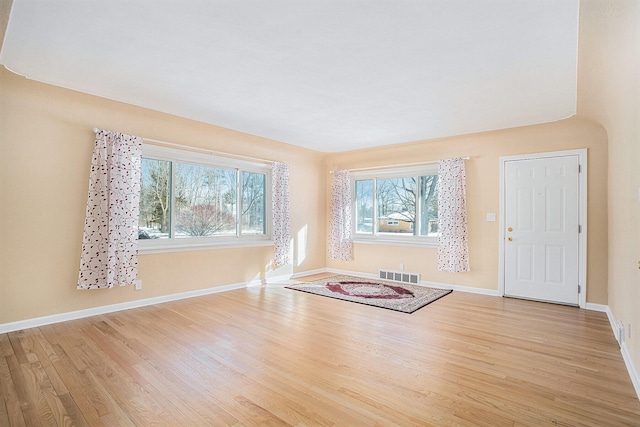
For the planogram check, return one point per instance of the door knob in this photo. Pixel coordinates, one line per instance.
(510, 239)
(509, 229)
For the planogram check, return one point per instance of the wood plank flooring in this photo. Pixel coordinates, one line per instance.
(269, 356)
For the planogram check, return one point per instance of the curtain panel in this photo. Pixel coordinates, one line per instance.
(340, 241)
(110, 240)
(453, 249)
(281, 211)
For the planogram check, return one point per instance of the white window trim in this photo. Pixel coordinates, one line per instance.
(414, 241)
(184, 244)
(158, 246)
(383, 239)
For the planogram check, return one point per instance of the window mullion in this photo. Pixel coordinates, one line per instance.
(238, 203)
(374, 216)
(418, 207)
(172, 199)
(354, 207)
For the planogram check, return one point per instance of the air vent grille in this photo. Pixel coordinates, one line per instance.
(399, 276)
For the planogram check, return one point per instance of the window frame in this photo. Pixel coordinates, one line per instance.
(397, 239)
(173, 244)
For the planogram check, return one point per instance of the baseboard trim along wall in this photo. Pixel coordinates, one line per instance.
(79, 314)
(460, 288)
(628, 361)
(633, 373)
(282, 279)
(309, 273)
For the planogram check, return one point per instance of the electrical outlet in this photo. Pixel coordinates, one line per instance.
(137, 285)
(401, 267)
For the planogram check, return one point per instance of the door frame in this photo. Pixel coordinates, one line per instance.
(582, 216)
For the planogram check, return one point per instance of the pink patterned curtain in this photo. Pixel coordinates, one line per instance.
(453, 249)
(110, 241)
(281, 214)
(340, 242)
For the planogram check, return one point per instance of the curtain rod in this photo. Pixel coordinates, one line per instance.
(204, 150)
(431, 162)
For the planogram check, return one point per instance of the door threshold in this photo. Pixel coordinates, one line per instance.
(542, 300)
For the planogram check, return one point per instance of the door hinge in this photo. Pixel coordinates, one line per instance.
(579, 229)
(579, 168)
(579, 289)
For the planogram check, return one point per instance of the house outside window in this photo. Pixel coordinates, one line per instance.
(192, 201)
(396, 206)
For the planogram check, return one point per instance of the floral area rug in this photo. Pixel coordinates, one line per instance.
(379, 293)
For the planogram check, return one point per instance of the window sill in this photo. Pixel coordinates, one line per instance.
(431, 243)
(166, 246)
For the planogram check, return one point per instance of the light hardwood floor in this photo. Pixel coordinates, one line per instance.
(273, 356)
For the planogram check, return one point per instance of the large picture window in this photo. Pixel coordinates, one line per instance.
(399, 204)
(196, 200)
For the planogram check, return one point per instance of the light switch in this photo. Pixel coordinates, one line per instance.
(491, 217)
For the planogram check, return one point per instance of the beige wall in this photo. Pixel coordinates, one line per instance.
(609, 93)
(46, 140)
(483, 184)
(45, 150)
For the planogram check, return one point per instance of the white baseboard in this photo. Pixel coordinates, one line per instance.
(283, 279)
(599, 307)
(352, 273)
(633, 373)
(468, 289)
(275, 279)
(79, 314)
(628, 361)
(309, 273)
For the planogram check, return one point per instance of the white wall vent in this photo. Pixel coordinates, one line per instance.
(399, 276)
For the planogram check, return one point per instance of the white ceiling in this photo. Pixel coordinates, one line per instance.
(329, 75)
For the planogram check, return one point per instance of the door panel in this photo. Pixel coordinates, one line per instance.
(555, 264)
(541, 229)
(525, 262)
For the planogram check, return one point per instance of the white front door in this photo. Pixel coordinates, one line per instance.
(541, 221)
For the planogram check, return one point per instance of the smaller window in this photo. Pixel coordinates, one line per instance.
(396, 204)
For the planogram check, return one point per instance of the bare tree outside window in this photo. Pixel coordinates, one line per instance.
(203, 220)
(397, 200)
(429, 205)
(253, 203)
(205, 199)
(155, 199)
(184, 200)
